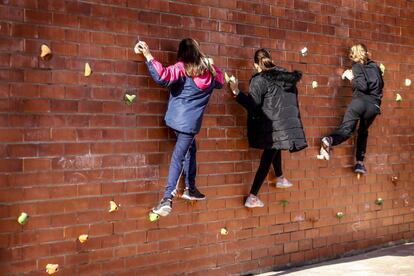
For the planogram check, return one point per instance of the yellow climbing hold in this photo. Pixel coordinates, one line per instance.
(83, 238)
(45, 52)
(224, 231)
(398, 98)
(315, 84)
(382, 67)
(52, 268)
(229, 79)
(113, 206)
(88, 70)
(407, 82)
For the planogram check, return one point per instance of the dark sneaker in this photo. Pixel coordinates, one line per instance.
(164, 207)
(360, 168)
(193, 194)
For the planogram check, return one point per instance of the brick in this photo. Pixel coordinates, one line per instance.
(70, 143)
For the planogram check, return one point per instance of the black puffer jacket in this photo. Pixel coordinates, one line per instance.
(367, 82)
(273, 113)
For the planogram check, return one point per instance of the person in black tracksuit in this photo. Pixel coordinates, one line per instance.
(367, 86)
(273, 122)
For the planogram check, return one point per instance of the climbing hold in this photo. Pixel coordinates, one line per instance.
(340, 215)
(130, 98)
(52, 268)
(22, 219)
(83, 238)
(379, 201)
(45, 52)
(382, 67)
(315, 84)
(153, 216)
(304, 51)
(284, 202)
(88, 70)
(398, 98)
(224, 231)
(407, 82)
(229, 79)
(113, 206)
(394, 179)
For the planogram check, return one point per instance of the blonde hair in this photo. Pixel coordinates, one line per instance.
(359, 53)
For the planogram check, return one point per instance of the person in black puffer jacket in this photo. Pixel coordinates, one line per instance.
(367, 87)
(273, 121)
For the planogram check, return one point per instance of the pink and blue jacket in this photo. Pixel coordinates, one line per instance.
(188, 96)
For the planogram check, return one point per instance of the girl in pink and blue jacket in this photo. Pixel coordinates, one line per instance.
(191, 81)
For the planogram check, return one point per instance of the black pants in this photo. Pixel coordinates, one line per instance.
(358, 110)
(269, 157)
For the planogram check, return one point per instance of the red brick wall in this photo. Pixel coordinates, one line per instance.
(69, 144)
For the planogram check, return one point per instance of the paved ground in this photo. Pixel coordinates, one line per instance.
(397, 260)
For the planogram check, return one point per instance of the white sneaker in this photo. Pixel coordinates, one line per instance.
(325, 150)
(253, 201)
(283, 183)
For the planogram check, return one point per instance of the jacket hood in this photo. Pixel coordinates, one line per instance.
(282, 75)
(370, 63)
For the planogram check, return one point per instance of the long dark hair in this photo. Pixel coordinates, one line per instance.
(195, 62)
(263, 58)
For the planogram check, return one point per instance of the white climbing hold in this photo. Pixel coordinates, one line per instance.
(304, 51)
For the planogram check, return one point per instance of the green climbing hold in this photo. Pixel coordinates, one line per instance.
(153, 216)
(284, 202)
(379, 201)
(23, 218)
(130, 99)
(340, 215)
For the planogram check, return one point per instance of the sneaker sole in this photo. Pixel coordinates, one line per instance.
(192, 198)
(360, 171)
(251, 207)
(284, 187)
(163, 212)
